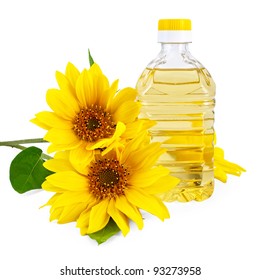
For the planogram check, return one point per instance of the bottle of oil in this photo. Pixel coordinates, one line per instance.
(178, 93)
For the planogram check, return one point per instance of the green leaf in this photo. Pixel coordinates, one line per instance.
(90, 58)
(104, 234)
(27, 171)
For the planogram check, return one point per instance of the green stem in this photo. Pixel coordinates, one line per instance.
(16, 144)
(20, 147)
(23, 141)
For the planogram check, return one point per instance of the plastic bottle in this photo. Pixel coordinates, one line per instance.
(178, 93)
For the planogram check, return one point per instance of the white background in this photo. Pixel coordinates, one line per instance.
(39, 37)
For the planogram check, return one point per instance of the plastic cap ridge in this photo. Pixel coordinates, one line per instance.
(174, 24)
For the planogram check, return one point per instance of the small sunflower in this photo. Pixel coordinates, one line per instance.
(116, 185)
(213, 156)
(88, 113)
(222, 167)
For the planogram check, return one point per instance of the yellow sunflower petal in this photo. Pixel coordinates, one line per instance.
(101, 86)
(65, 84)
(103, 93)
(120, 129)
(98, 216)
(101, 83)
(62, 137)
(80, 158)
(146, 124)
(62, 147)
(72, 73)
(218, 153)
(96, 70)
(50, 119)
(163, 185)
(84, 89)
(55, 214)
(71, 198)
(136, 127)
(131, 147)
(148, 177)
(40, 124)
(145, 157)
(68, 180)
(119, 218)
(115, 145)
(62, 155)
(147, 202)
(51, 188)
(57, 165)
(52, 200)
(223, 166)
(62, 104)
(132, 129)
(124, 95)
(127, 112)
(71, 213)
(129, 210)
(220, 175)
(83, 222)
(106, 142)
(230, 167)
(53, 148)
(111, 92)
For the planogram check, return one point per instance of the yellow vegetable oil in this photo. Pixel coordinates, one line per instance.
(178, 93)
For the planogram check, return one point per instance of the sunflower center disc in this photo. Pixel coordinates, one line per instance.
(93, 123)
(108, 178)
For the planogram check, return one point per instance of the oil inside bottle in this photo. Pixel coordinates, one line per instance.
(181, 101)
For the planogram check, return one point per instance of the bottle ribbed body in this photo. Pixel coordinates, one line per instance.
(178, 93)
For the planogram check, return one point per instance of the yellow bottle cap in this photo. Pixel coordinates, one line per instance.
(174, 24)
(174, 30)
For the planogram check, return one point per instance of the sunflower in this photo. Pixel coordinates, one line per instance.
(219, 165)
(222, 167)
(88, 113)
(115, 186)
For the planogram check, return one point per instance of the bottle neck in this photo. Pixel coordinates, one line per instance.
(175, 55)
(175, 48)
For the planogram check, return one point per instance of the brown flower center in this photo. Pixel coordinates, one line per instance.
(107, 178)
(94, 123)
